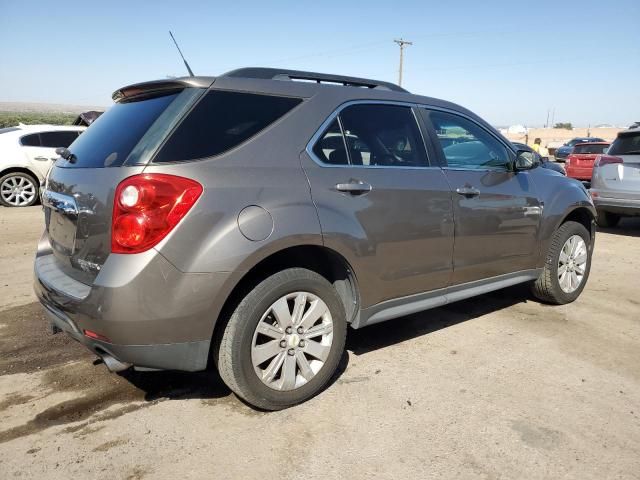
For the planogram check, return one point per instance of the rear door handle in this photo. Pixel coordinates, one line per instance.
(354, 187)
(468, 191)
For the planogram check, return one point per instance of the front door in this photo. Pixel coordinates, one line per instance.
(497, 212)
(381, 204)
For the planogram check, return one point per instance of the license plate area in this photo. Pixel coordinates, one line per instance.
(61, 219)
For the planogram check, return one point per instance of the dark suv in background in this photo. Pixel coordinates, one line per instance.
(248, 219)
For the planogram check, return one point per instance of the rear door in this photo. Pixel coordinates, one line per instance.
(380, 202)
(497, 212)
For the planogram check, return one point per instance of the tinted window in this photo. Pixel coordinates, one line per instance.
(114, 134)
(32, 140)
(221, 121)
(467, 145)
(383, 135)
(58, 139)
(626, 144)
(590, 148)
(330, 148)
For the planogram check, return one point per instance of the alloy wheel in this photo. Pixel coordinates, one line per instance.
(18, 190)
(572, 263)
(292, 341)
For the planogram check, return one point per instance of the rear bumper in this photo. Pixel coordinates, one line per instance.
(622, 206)
(579, 173)
(146, 312)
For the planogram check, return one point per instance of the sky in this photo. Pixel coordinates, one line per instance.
(508, 61)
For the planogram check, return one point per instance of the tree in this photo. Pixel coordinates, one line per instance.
(565, 125)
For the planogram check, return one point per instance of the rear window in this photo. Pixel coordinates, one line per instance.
(626, 144)
(221, 121)
(58, 139)
(591, 148)
(112, 137)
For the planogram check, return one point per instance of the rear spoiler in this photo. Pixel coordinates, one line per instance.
(160, 87)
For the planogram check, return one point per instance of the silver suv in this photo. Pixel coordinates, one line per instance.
(615, 183)
(244, 221)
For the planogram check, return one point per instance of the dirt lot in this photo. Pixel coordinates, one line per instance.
(495, 387)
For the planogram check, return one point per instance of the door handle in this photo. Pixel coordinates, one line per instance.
(354, 187)
(41, 159)
(468, 191)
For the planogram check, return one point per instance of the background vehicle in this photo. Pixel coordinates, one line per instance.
(563, 152)
(220, 218)
(615, 185)
(579, 164)
(544, 161)
(26, 154)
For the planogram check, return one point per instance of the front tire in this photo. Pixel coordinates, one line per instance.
(608, 219)
(567, 265)
(284, 341)
(18, 189)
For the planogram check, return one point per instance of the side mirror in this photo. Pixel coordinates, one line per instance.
(526, 160)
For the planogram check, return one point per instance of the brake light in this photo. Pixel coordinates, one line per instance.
(602, 160)
(147, 207)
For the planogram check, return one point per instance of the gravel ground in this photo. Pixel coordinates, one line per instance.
(498, 386)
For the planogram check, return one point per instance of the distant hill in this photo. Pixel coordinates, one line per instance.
(24, 107)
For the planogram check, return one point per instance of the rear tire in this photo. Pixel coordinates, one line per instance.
(273, 352)
(567, 266)
(608, 219)
(18, 189)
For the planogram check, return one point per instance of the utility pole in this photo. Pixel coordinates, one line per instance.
(402, 44)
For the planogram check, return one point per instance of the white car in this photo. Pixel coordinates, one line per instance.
(26, 154)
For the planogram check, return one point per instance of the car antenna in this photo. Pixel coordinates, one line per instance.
(180, 52)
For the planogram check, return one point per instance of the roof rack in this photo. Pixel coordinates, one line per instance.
(280, 74)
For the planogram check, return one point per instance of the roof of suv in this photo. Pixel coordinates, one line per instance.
(337, 88)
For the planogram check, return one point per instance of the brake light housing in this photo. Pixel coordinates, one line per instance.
(602, 160)
(147, 207)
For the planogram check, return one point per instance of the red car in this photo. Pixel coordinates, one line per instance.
(579, 163)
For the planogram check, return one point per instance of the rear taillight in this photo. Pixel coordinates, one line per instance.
(602, 160)
(147, 207)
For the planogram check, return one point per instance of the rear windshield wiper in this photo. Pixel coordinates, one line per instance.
(66, 154)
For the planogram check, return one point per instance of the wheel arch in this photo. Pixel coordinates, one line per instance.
(26, 170)
(318, 258)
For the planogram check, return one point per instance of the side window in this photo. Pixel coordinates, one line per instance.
(383, 135)
(330, 148)
(467, 145)
(221, 121)
(58, 139)
(32, 140)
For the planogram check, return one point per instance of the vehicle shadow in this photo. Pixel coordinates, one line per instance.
(629, 227)
(207, 385)
(396, 331)
(174, 385)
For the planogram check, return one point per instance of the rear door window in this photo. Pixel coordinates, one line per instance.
(58, 139)
(626, 144)
(221, 121)
(383, 135)
(32, 140)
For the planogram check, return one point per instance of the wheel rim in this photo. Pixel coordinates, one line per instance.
(18, 191)
(572, 264)
(292, 341)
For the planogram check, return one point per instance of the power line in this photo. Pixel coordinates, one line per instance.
(402, 44)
